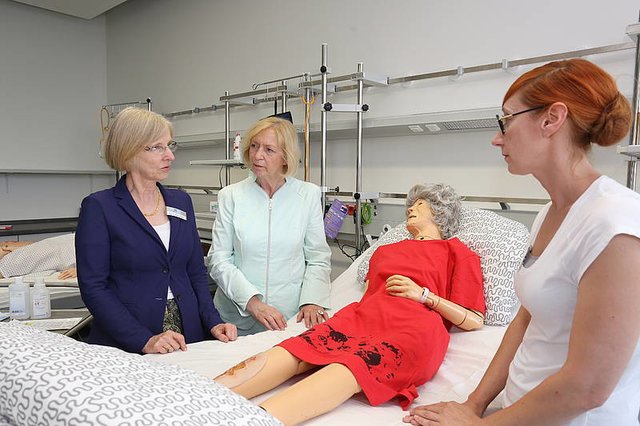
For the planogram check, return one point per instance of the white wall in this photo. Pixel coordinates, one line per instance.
(187, 53)
(52, 84)
(55, 72)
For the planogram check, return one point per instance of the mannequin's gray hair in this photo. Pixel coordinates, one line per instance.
(444, 202)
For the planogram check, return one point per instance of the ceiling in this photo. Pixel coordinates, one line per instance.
(86, 9)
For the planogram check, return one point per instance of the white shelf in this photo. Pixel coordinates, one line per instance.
(205, 216)
(199, 140)
(629, 150)
(229, 163)
(57, 172)
(433, 123)
(633, 31)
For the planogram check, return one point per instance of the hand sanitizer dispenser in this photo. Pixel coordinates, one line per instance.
(40, 300)
(19, 299)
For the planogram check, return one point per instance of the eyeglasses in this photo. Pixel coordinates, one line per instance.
(269, 151)
(501, 120)
(160, 149)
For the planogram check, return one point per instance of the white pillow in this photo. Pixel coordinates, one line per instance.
(501, 244)
(47, 378)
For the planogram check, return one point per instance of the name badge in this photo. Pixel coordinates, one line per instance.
(172, 211)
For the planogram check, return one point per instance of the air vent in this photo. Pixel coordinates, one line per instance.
(485, 123)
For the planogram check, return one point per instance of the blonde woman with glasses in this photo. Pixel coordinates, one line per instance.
(140, 264)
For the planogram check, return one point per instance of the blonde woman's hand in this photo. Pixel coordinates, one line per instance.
(312, 315)
(225, 332)
(166, 342)
(266, 314)
(401, 286)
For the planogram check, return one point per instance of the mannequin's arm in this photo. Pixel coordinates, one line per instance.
(466, 319)
(461, 317)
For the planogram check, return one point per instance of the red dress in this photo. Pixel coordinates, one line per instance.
(392, 344)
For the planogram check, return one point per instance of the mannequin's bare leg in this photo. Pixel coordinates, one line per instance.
(317, 394)
(263, 372)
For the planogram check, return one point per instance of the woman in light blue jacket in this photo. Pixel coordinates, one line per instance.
(269, 254)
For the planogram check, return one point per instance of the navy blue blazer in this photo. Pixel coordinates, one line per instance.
(124, 270)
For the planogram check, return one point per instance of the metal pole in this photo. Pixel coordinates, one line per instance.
(227, 132)
(632, 166)
(358, 212)
(307, 113)
(323, 127)
(284, 97)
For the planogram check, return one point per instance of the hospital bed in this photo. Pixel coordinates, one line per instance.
(41, 259)
(49, 378)
(501, 244)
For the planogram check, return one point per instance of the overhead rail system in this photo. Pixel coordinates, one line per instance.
(278, 90)
(505, 203)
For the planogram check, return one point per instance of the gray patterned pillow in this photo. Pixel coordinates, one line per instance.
(501, 244)
(47, 378)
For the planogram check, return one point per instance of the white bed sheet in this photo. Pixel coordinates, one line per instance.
(468, 356)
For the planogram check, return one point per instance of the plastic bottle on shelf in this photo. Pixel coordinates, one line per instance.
(19, 299)
(40, 300)
(236, 147)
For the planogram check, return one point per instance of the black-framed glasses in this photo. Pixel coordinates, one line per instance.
(503, 129)
(160, 149)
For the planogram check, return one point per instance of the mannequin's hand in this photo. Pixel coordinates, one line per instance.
(68, 273)
(399, 285)
(266, 315)
(312, 315)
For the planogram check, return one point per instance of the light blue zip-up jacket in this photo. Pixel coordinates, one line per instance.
(275, 248)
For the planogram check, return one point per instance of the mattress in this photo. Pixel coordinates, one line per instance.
(467, 358)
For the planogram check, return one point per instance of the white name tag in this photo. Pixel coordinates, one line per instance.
(172, 211)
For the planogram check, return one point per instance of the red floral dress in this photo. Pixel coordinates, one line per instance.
(392, 344)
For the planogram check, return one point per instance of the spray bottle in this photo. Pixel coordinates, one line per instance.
(40, 300)
(236, 147)
(19, 299)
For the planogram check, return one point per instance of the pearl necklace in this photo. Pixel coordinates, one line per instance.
(155, 211)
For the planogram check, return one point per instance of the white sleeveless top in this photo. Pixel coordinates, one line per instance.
(548, 289)
(164, 232)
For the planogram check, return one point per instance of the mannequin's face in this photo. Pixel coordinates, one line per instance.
(419, 217)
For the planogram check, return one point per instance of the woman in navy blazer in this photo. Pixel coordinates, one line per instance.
(140, 264)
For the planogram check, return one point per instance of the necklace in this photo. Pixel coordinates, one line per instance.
(425, 237)
(155, 211)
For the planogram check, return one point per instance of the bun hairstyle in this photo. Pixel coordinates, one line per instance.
(613, 123)
(597, 110)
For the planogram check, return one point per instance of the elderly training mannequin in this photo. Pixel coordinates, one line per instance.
(27, 257)
(377, 345)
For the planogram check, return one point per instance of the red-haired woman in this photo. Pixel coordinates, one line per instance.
(571, 355)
